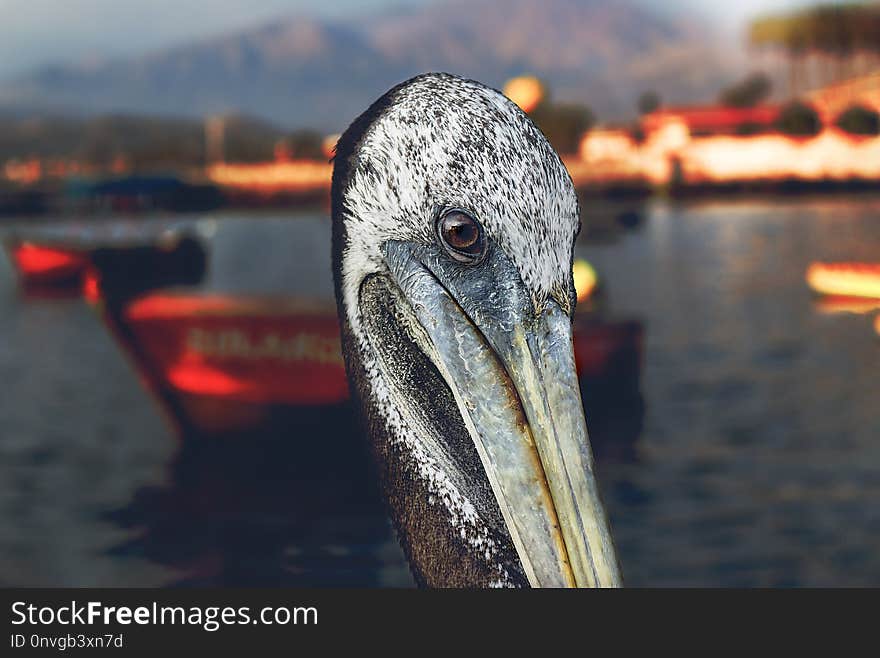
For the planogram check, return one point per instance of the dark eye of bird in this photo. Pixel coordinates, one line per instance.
(462, 235)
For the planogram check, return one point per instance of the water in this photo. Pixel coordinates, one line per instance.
(759, 461)
(754, 459)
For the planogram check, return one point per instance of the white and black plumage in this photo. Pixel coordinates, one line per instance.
(454, 222)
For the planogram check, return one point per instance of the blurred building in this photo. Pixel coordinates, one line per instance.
(712, 119)
(714, 144)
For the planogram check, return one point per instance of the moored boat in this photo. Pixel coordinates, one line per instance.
(71, 260)
(845, 279)
(47, 265)
(221, 363)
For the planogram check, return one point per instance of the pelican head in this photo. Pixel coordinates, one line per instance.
(454, 223)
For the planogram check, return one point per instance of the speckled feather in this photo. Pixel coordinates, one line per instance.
(433, 142)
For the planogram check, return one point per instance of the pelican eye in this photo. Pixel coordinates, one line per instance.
(462, 236)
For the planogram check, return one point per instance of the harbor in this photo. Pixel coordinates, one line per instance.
(696, 462)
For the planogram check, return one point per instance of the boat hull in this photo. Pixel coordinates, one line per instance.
(44, 266)
(223, 363)
(845, 279)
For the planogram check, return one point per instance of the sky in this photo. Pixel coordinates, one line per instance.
(36, 33)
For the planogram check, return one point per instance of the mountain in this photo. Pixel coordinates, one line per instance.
(321, 72)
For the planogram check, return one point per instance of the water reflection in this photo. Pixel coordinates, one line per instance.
(292, 503)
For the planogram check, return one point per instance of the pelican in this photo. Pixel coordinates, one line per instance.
(454, 223)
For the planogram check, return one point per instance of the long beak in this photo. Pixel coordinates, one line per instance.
(513, 377)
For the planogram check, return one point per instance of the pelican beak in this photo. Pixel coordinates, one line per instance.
(512, 373)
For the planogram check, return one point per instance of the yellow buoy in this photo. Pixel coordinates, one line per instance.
(585, 279)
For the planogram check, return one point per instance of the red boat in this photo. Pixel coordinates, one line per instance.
(44, 265)
(63, 265)
(221, 363)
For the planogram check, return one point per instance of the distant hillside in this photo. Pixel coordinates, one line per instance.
(321, 73)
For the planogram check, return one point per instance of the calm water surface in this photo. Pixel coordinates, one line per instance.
(754, 460)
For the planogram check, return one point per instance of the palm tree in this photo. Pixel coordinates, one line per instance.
(838, 35)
